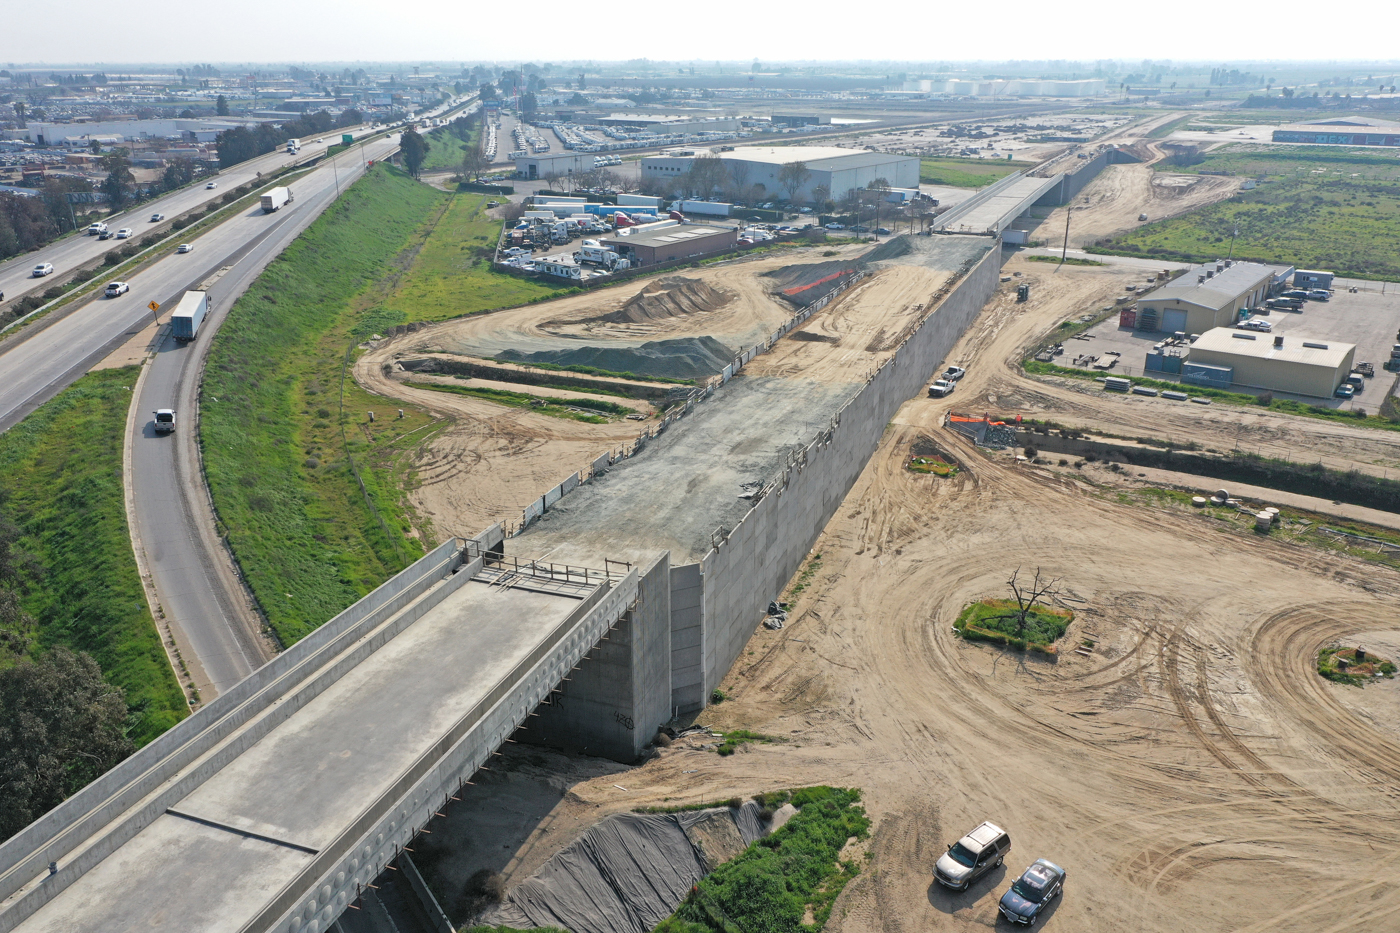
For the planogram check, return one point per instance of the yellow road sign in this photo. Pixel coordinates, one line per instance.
(154, 306)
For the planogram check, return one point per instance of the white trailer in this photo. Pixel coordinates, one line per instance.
(274, 200)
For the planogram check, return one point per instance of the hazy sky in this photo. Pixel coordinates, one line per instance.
(118, 31)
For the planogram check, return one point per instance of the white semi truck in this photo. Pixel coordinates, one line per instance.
(274, 200)
(293, 146)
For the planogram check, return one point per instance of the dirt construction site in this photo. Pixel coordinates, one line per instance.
(1187, 766)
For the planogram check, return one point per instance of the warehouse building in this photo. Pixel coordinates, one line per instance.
(1277, 362)
(1341, 131)
(653, 243)
(834, 169)
(566, 163)
(1208, 295)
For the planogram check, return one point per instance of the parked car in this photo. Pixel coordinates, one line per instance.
(123, 233)
(860, 228)
(954, 373)
(883, 231)
(1319, 294)
(157, 218)
(1345, 391)
(116, 288)
(973, 855)
(1038, 885)
(835, 226)
(1299, 293)
(185, 248)
(804, 210)
(1255, 324)
(42, 269)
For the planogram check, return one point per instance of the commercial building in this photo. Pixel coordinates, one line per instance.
(1341, 131)
(831, 168)
(663, 242)
(1025, 87)
(559, 163)
(800, 119)
(1277, 362)
(1209, 295)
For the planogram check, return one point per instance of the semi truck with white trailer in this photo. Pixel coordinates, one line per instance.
(274, 199)
(189, 314)
(293, 146)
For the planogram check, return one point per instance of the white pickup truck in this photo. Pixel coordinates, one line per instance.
(941, 389)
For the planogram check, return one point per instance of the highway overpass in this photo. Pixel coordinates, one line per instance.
(272, 807)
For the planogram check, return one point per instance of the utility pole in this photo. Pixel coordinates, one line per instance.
(1234, 233)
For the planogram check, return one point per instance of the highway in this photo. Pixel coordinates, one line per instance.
(71, 252)
(215, 623)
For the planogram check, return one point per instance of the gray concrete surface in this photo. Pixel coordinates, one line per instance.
(271, 808)
(994, 208)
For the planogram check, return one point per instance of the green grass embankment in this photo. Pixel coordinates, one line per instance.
(61, 474)
(1337, 222)
(779, 879)
(543, 404)
(286, 432)
(967, 173)
(446, 148)
(278, 448)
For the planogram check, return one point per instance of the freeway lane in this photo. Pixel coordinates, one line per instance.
(216, 624)
(71, 252)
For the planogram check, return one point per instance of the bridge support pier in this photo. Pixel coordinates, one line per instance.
(617, 697)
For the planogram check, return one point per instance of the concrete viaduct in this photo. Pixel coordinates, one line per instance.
(271, 808)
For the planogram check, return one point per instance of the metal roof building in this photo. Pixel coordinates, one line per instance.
(1278, 362)
(835, 169)
(1341, 131)
(1208, 295)
(655, 243)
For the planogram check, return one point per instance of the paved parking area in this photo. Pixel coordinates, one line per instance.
(1369, 318)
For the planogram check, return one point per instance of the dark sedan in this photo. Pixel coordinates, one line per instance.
(1037, 886)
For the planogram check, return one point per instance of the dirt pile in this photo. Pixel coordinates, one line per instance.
(670, 297)
(681, 358)
(890, 249)
(804, 284)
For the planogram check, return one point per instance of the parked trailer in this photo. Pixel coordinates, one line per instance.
(274, 199)
(189, 314)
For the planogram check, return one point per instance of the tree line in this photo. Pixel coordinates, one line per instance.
(241, 143)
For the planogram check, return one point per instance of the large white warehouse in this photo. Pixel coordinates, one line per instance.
(832, 168)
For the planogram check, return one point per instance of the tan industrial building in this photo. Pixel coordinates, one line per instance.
(1208, 295)
(653, 243)
(1277, 362)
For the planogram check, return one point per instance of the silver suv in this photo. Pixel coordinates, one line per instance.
(972, 856)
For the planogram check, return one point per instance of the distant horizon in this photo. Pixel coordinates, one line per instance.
(904, 34)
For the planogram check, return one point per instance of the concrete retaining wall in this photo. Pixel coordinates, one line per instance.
(687, 638)
(758, 557)
(612, 704)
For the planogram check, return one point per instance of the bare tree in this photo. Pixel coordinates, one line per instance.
(1027, 597)
(474, 162)
(706, 174)
(820, 195)
(552, 179)
(792, 176)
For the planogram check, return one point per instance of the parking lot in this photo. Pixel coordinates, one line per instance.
(1369, 318)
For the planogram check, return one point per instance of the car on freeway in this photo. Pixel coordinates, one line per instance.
(954, 373)
(105, 234)
(96, 228)
(972, 856)
(1345, 390)
(835, 226)
(1038, 885)
(116, 288)
(321, 140)
(157, 218)
(212, 185)
(185, 248)
(42, 269)
(123, 233)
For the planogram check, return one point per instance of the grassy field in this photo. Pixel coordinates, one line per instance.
(1345, 224)
(966, 173)
(782, 878)
(1319, 162)
(61, 479)
(542, 404)
(452, 275)
(280, 455)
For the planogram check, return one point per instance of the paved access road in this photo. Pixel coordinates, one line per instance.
(198, 588)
